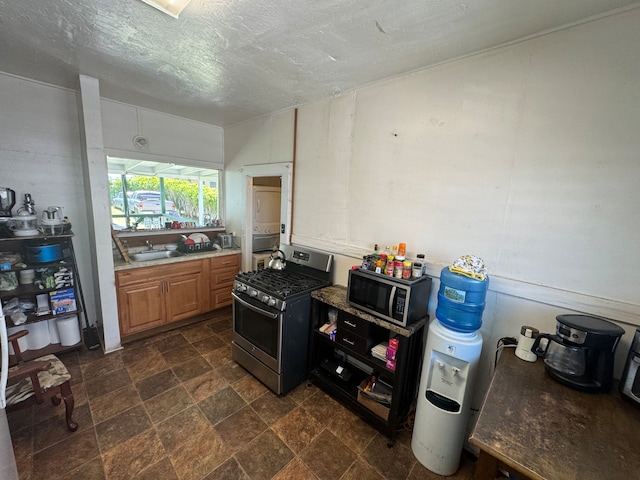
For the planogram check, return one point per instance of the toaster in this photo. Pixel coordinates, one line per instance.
(225, 240)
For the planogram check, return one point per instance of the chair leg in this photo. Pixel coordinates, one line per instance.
(67, 395)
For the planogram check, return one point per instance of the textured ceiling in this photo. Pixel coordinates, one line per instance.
(226, 61)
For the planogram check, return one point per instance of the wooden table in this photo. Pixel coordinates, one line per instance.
(536, 427)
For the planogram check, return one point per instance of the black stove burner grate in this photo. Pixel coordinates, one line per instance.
(281, 283)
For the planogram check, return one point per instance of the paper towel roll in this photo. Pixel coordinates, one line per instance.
(53, 331)
(68, 330)
(38, 335)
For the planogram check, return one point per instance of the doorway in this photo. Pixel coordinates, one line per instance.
(276, 174)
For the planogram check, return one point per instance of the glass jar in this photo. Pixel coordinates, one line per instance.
(397, 269)
(406, 270)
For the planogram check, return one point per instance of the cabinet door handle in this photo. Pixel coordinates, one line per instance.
(352, 325)
(350, 342)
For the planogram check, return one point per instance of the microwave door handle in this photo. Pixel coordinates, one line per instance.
(255, 309)
(391, 297)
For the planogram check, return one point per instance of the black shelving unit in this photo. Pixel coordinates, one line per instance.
(30, 291)
(351, 350)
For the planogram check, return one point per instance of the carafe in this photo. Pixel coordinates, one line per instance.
(560, 356)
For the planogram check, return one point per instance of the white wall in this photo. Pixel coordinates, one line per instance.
(263, 141)
(40, 154)
(527, 156)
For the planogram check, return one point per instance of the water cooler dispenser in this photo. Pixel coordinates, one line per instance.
(452, 354)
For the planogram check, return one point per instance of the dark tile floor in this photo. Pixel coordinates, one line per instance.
(175, 406)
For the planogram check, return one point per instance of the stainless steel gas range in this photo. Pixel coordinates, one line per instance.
(271, 317)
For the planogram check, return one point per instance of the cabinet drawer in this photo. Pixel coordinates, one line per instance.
(225, 261)
(145, 274)
(222, 277)
(354, 343)
(220, 297)
(354, 325)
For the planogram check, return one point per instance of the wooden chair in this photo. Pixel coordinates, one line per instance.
(37, 380)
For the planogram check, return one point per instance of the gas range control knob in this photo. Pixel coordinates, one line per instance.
(253, 293)
(265, 298)
(272, 302)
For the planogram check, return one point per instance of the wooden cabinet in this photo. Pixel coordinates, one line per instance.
(343, 363)
(149, 297)
(222, 272)
(50, 299)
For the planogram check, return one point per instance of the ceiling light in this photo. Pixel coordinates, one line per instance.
(170, 7)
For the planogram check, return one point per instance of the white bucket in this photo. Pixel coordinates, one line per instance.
(68, 330)
(22, 342)
(53, 331)
(38, 335)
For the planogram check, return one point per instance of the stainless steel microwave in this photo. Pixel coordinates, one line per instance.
(630, 381)
(395, 300)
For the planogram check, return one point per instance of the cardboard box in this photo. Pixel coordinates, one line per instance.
(63, 301)
(378, 408)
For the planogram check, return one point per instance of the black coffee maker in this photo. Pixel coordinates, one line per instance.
(581, 353)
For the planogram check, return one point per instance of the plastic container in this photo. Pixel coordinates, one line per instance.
(461, 301)
(68, 330)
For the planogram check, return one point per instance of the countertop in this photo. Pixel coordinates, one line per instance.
(120, 264)
(336, 296)
(545, 430)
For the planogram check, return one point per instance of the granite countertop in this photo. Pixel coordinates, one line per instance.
(336, 296)
(547, 431)
(120, 264)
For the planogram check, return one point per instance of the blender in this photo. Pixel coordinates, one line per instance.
(7, 201)
(51, 222)
(25, 224)
(581, 353)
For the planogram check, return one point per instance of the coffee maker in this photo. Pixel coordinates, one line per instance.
(581, 353)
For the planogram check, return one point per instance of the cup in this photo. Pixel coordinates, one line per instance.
(27, 276)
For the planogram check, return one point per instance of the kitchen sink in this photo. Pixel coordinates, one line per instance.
(154, 255)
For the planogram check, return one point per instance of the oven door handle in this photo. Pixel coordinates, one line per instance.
(255, 309)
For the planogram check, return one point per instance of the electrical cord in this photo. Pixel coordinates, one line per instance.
(504, 342)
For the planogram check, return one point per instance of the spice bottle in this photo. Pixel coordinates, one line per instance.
(388, 270)
(402, 250)
(397, 269)
(416, 271)
(406, 270)
(421, 259)
(384, 256)
(380, 265)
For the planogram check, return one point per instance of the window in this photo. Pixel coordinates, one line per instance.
(147, 195)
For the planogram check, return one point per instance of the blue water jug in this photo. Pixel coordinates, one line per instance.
(461, 301)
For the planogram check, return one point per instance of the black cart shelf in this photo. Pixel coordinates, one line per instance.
(357, 332)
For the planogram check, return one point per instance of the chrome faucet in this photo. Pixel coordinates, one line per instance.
(149, 244)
